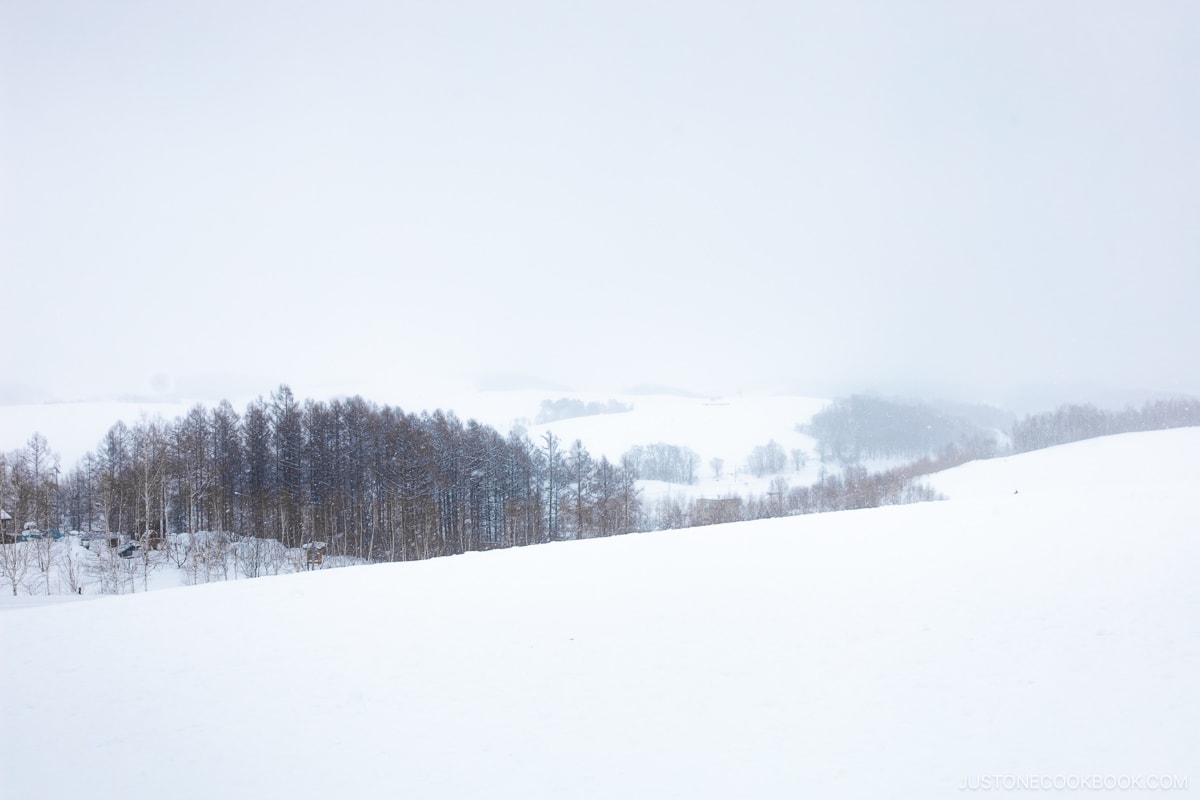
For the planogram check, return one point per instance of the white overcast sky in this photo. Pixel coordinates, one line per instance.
(716, 196)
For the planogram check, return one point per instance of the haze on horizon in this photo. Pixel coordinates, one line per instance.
(213, 198)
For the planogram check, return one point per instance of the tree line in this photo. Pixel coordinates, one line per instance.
(1074, 422)
(569, 408)
(371, 482)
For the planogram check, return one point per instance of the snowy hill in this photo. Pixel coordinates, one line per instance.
(1043, 624)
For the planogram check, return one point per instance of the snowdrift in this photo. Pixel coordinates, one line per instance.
(1044, 621)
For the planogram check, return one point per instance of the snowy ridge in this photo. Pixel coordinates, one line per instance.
(893, 652)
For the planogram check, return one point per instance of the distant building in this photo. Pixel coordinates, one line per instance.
(714, 511)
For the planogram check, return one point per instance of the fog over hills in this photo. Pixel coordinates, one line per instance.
(206, 200)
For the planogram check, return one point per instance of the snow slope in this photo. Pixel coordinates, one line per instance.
(893, 652)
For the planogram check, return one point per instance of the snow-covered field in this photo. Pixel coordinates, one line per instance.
(1041, 627)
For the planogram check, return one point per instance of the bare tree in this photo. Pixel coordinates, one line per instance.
(776, 494)
(190, 446)
(113, 574)
(15, 558)
(43, 556)
(579, 469)
(214, 554)
(35, 478)
(15, 561)
(550, 461)
(116, 480)
(255, 557)
(69, 568)
(35, 484)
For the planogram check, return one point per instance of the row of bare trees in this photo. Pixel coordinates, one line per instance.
(853, 488)
(371, 482)
(1071, 423)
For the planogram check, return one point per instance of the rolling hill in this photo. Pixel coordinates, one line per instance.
(1043, 624)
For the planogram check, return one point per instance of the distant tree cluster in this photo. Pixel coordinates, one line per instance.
(663, 462)
(371, 482)
(862, 426)
(854, 488)
(568, 408)
(767, 459)
(1072, 423)
(857, 488)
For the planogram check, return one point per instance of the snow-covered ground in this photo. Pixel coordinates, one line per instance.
(1041, 627)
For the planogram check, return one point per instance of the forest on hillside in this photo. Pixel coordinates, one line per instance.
(860, 427)
(1077, 421)
(868, 427)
